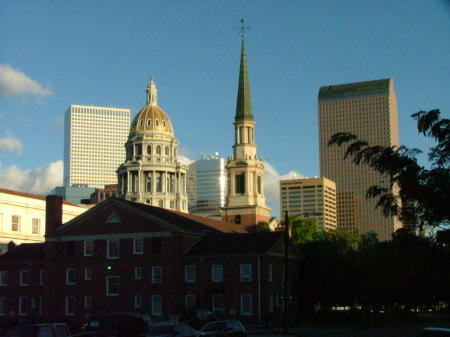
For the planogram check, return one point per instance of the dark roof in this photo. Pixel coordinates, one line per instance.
(25, 252)
(236, 244)
(244, 102)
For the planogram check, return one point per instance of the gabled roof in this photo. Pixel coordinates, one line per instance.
(25, 252)
(138, 217)
(237, 244)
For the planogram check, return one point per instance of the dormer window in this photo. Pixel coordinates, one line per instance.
(149, 122)
(164, 123)
(156, 122)
(141, 122)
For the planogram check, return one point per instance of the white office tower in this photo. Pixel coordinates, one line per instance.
(151, 172)
(207, 186)
(93, 144)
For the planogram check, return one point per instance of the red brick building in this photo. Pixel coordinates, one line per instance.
(122, 256)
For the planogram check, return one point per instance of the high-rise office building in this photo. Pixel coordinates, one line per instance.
(207, 186)
(306, 196)
(94, 139)
(368, 110)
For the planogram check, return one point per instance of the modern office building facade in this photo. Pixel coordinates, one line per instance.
(94, 139)
(207, 186)
(77, 194)
(368, 110)
(305, 196)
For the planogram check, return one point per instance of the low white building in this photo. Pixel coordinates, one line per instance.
(22, 217)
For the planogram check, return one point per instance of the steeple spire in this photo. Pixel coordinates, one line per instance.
(152, 93)
(244, 101)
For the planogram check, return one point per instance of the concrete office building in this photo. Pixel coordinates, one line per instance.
(94, 139)
(369, 110)
(304, 196)
(207, 186)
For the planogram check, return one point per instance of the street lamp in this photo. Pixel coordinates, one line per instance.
(286, 264)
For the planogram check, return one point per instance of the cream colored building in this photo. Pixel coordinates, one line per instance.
(305, 196)
(368, 110)
(22, 217)
(151, 172)
(93, 144)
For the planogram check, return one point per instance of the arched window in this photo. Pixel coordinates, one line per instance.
(159, 182)
(156, 122)
(161, 203)
(148, 184)
(158, 150)
(149, 122)
(164, 123)
(172, 204)
(141, 122)
(149, 149)
(166, 151)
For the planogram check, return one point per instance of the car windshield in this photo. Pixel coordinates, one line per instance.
(215, 326)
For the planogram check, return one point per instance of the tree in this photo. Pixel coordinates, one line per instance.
(423, 196)
(303, 230)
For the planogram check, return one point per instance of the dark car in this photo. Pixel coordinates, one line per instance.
(165, 319)
(119, 325)
(37, 330)
(229, 328)
(198, 317)
(171, 330)
(433, 332)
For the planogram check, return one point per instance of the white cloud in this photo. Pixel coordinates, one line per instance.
(184, 160)
(14, 82)
(37, 181)
(11, 144)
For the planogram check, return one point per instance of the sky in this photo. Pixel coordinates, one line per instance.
(103, 53)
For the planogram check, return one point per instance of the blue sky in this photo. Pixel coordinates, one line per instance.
(57, 53)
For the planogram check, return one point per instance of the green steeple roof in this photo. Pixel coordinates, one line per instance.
(244, 101)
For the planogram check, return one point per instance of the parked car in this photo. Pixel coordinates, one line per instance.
(165, 319)
(226, 328)
(198, 317)
(38, 330)
(433, 332)
(119, 325)
(171, 330)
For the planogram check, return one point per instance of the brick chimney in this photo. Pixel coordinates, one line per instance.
(53, 215)
(11, 246)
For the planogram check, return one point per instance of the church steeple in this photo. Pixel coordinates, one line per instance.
(152, 93)
(244, 100)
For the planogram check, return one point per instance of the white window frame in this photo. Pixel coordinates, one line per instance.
(138, 301)
(89, 248)
(217, 304)
(190, 274)
(70, 277)
(137, 273)
(36, 226)
(246, 304)
(217, 272)
(3, 278)
(70, 305)
(3, 306)
(189, 301)
(113, 249)
(15, 223)
(23, 306)
(156, 305)
(246, 272)
(87, 302)
(138, 246)
(88, 274)
(110, 283)
(24, 277)
(157, 274)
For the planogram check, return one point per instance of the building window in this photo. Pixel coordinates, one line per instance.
(88, 248)
(246, 272)
(15, 223)
(3, 278)
(138, 273)
(41, 277)
(149, 147)
(217, 304)
(112, 286)
(113, 249)
(246, 304)
(189, 274)
(70, 305)
(87, 274)
(3, 306)
(41, 306)
(189, 302)
(23, 306)
(156, 305)
(87, 302)
(270, 302)
(158, 150)
(35, 225)
(138, 246)
(259, 182)
(217, 273)
(269, 273)
(240, 183)
(138, 301)
(70, 276)
(24, 277)
(166, 151)
(156, 274)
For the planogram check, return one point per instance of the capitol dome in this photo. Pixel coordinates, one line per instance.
(151, 118)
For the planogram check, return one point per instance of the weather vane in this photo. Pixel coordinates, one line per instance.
(243, 29)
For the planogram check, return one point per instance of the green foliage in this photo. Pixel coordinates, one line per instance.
(303, 230)
(423, 196)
